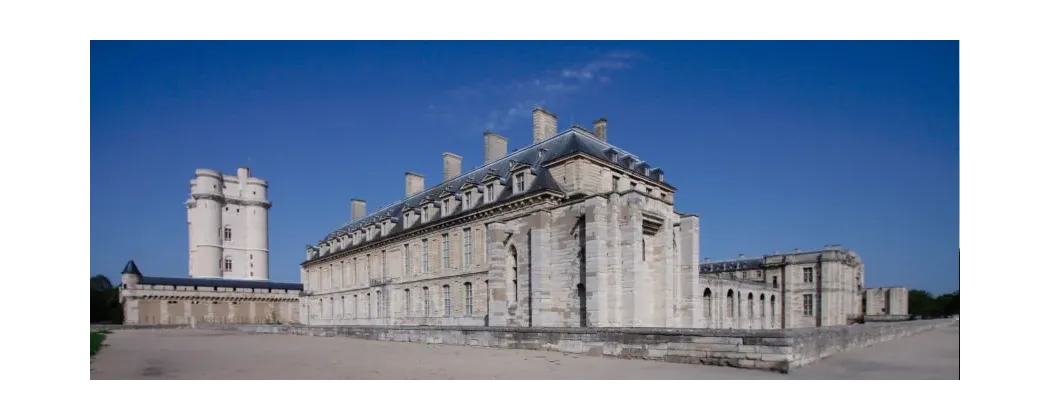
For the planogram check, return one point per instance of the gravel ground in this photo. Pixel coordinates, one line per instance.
(205, 354)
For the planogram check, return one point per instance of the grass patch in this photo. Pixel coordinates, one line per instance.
(96, 340)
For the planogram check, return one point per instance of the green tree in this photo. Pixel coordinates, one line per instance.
(105, 301)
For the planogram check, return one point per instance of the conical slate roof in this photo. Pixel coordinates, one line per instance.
(131, 268)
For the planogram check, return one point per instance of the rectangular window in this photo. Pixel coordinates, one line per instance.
(445, 207)
(807, 275)
(466, 199)
(444, 250)
(379, 304)
(468, 256)
(807, 304)
(519, 182)
(470, 298)
(368, 267)
(426, 256)
(408, 263)
(774, 281)
(426, 301)
(616, 183)
(408, 302)
(490, 193)
(382, 264)
(448, 299)
(425, 213)
(227, 234)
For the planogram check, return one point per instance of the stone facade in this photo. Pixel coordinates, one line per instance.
(228, 221)
(172, 300)
(885, 301)
(569, 231)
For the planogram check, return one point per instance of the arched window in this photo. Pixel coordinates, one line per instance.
(227, 265)
(729, 303)
(707, 303)
(448, 299)
(469, 291)
(227, 234)
(762, 306)
(751, 305)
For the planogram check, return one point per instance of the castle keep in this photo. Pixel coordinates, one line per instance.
(568, 231)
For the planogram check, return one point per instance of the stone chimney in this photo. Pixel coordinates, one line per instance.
(357, 209)
(453, 165)
(544, 125)
(599, 129)
(495, 147)
(413, 184)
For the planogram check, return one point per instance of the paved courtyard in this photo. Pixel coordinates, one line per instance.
(205, 354)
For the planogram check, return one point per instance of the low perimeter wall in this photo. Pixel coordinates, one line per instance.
(776, 350)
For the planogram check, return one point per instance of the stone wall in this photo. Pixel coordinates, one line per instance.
(813, 344)
(776, 350)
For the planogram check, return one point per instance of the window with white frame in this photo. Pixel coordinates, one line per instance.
(519, 182)
(426, 256)
(490, 193)
(467, 195)
(807, 304)
(445, 207)
(228, 265)
(468, 255)
(426, 213)
(448, 299)
(227, 234)
(807, 275)
(444, 250)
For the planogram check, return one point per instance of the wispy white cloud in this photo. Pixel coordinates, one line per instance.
(496, 105)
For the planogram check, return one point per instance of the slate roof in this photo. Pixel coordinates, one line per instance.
(216, 282)
(732, 265)
(574, 140)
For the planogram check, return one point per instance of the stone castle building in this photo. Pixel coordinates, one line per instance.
(228, 262)
(228, 218)
(885, 301)
(567, 231)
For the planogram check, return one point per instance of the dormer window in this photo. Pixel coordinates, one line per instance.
(466, 199)
(446, 208)
(519, 182)
(490, 193)
(426, 213)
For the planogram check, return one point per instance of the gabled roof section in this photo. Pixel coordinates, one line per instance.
(575, 140)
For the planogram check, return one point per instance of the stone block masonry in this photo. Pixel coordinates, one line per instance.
(774, 350)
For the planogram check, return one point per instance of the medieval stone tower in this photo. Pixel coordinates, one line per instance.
(228, 221)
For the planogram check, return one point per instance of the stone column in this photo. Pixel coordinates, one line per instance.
(497, 282)
(540, 270)
(596, 269)
(614, 315)
(163, 311)
(690, 293)
(637, 302)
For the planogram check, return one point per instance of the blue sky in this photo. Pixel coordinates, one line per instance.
(776, 145)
